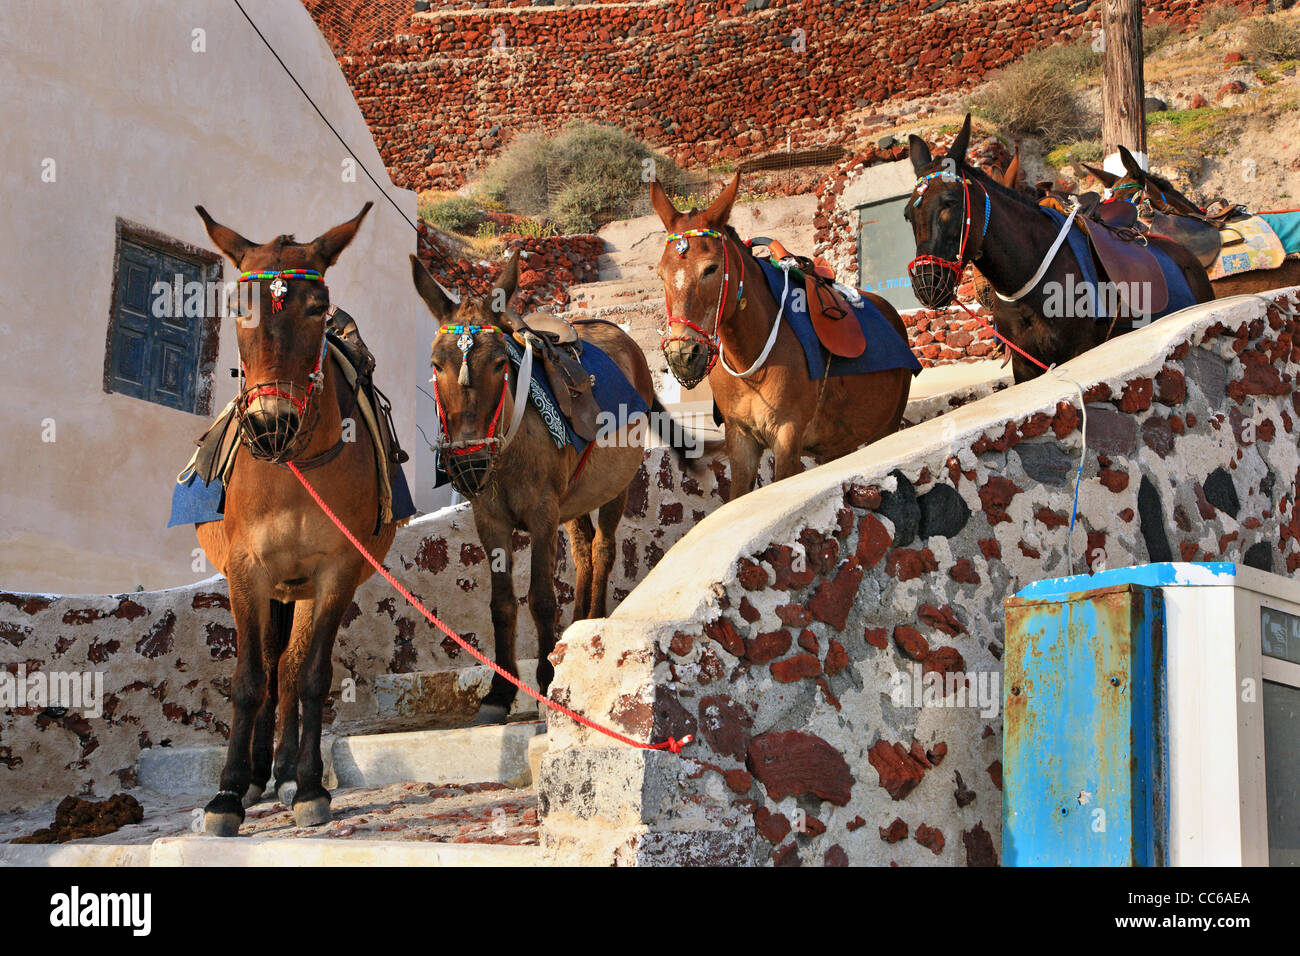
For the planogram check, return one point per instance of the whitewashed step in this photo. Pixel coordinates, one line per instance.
(492, 754)
(214, 851)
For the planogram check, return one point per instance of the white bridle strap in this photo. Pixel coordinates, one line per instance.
(521, 395)
(1029, 286)
(771, 338)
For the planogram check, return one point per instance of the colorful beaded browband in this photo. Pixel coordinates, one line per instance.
(467, 329)
(278, 286)
(691, 234)
(282, 274)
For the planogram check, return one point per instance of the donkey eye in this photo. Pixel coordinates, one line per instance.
(710, 269)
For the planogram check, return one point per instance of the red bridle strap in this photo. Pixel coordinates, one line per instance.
(492, 427)
(712, 341)
(312, 378)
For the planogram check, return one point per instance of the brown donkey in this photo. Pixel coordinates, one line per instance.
(778, 406)
(515, 475)
(292, 574)
(1140, 186)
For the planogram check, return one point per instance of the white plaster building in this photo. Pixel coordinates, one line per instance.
(118, 119)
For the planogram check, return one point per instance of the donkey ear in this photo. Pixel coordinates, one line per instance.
(226, 239)
(439, 303)
(1131, 165)
(718, 214)
(663, 206)
(1012, 172)
(503, 290)
(329, 244)
(919, 152)
(1107, 179)
(957, 151)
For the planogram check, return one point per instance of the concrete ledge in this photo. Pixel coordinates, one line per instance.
(214, 851)
(73, 854)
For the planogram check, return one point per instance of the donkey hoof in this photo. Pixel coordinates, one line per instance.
(253, 795)
(285, 792)
(312, 813)
(221, 824)
(490, 714)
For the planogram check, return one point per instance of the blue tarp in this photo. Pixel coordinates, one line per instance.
(197, 502)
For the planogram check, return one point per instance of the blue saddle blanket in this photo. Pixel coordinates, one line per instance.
(886, 349)
(614, 395)
(1180, 293)
(197, 502)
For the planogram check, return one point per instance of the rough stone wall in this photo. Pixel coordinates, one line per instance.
(774, 631)
(548, 267)
(167, 657)
(707, 82)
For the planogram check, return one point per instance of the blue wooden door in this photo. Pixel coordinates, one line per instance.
(155, 357)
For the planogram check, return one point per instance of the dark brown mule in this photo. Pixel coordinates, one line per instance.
(1009, 252)
(777, 406)
(522, 480)
(1140, 186)
(984, 290)
(291, 573)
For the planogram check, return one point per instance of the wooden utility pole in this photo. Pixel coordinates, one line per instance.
(1122, 85)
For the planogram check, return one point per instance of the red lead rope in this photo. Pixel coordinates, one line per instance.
(672, 744)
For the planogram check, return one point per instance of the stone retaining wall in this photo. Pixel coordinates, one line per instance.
(166, 658)
(776, 631)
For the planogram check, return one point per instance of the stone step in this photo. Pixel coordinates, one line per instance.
(252, 851)
(215, 851)
(492, 754)
(446, 698)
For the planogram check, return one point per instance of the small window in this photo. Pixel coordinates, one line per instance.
(165, 320)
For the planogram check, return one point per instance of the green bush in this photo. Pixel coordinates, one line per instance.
(1083, 151)
(1272, 40)
(581, 178)
(453, 214)
(1036, 96)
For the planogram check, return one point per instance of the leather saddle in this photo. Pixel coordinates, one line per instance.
(557, 346)
(1130, 265)
(1113, 232)
(835, 323)
(1202, 239)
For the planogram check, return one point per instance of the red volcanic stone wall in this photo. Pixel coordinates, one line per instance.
(549, 265)
(820, 608)
(944, 336)
(706, 82)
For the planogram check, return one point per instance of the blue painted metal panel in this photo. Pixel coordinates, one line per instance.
(1083, 735)
(1165, 574)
